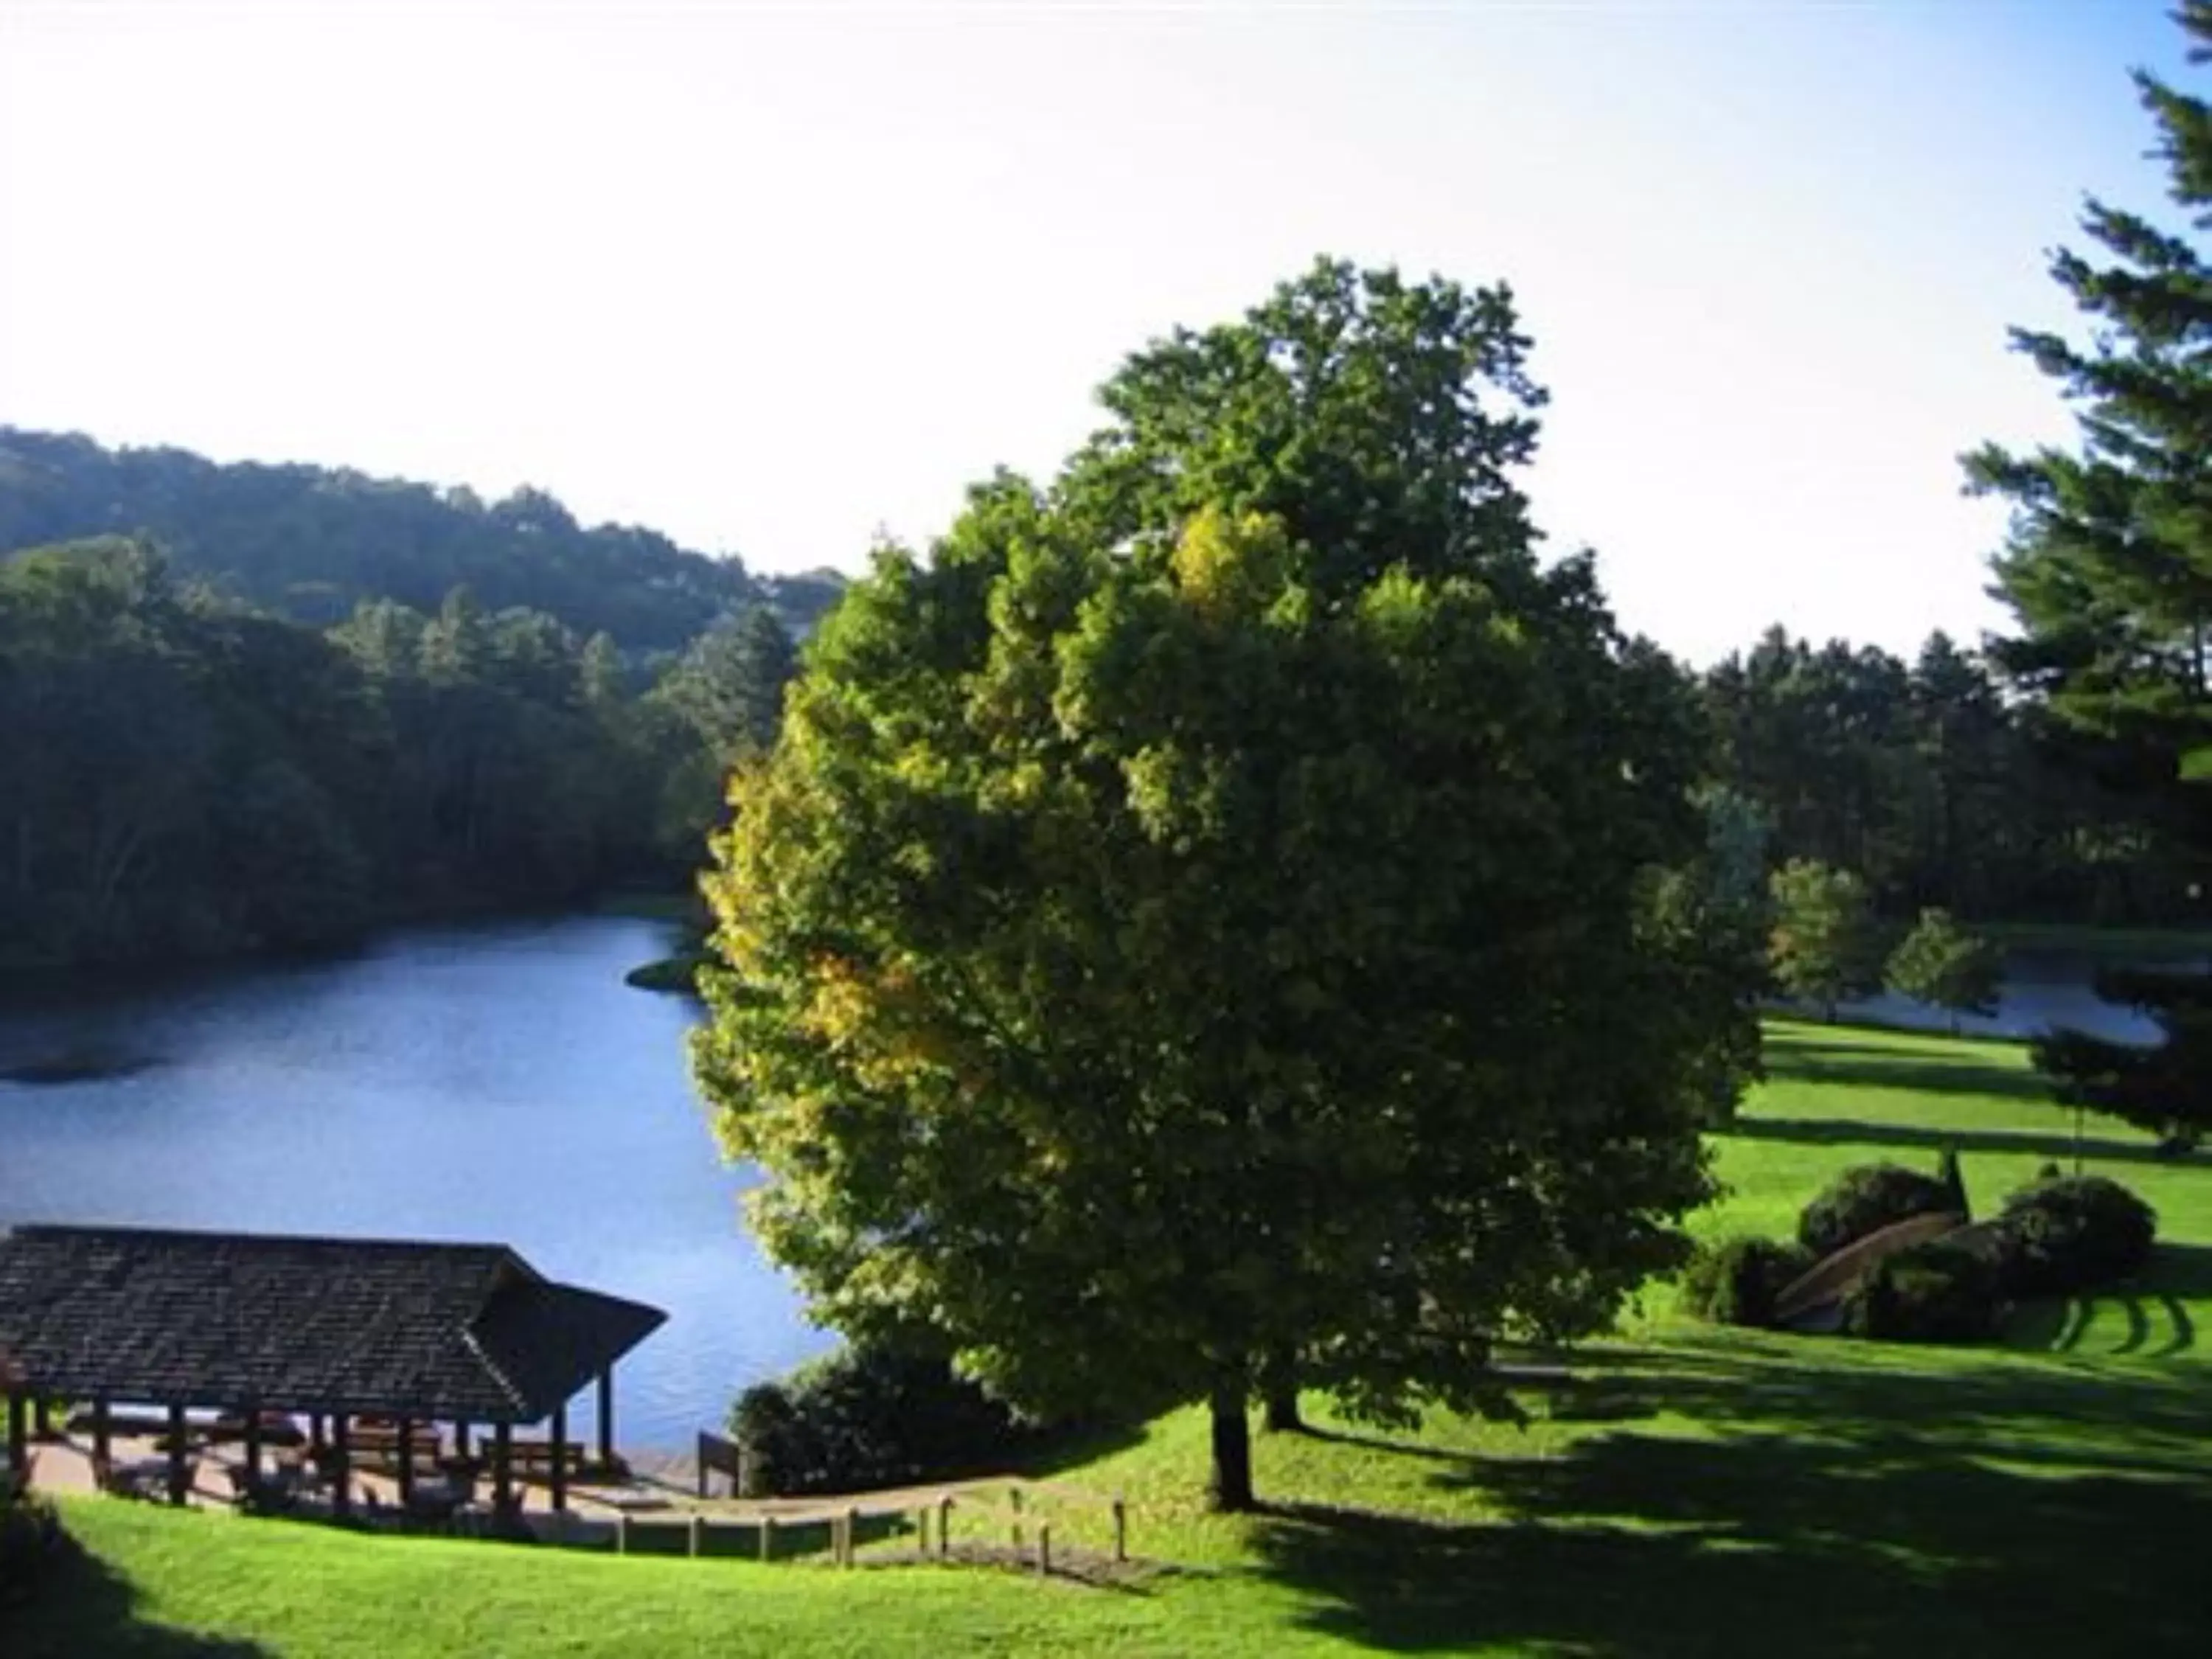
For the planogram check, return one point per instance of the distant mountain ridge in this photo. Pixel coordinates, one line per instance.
(311, 542)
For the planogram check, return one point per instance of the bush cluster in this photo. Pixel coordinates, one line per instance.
(1866, 1199)
(1939, 1291)
(867, 1417)
(2074, 1234)
(1737, 1281)
(2061, 1234)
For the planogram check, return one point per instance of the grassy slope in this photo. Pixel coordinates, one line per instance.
(1695, 1491)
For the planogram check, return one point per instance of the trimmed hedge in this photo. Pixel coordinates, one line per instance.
(1933, 1292)
(2075, 1233)
(1736, 1281)
(869, 1417)
(1868, 1198)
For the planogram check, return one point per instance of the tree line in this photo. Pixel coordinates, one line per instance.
(311, 543)
(186, 776)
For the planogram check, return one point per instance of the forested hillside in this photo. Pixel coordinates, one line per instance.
(182, 776)
(310, 542)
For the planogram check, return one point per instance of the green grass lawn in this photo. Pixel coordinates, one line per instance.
(1690, 1492)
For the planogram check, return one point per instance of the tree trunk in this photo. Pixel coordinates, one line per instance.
(1279, 1393)
(1229, 1492)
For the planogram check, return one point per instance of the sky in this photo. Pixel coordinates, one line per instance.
(779, 278)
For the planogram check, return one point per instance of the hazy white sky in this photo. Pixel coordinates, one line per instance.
(768, 277)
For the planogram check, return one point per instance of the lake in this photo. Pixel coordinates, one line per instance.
(487, 1084)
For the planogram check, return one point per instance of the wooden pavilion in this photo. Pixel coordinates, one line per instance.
(413, 1332)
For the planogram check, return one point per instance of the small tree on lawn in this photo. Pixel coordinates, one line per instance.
(1823, 947)
(1941, 964)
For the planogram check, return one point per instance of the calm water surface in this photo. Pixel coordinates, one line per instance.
(495, 1083)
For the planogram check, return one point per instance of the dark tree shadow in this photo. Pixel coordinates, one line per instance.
(2159, 1325)
(2055, 1147)
(1836, 1513)
(87, 1608)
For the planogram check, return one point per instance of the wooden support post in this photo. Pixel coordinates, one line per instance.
(768, 1538)
(252, 1415)
(19, 1449)
(102, 1443)
(944, 1525)
(42, 1427)
(852, 1533)
(406, 1460)
(1121, 1528)
(561, 1457)
(316, 1437)
(698, 1536)
(1045, 1551)
(1014, 1502)
(622, 1532)
(179, 1480)
(341, 1465)
(606, 1418)
(461, 1437)
(922, 1529)
(502, 1466)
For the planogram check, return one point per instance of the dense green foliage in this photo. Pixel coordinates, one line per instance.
(2075, 1233)
(1943, 965)
(1824, 947)
(1938, 1291)
(870, 1417)
(311, 543)
(1737, 1281)
(1927, 781)
(1864, 1200)
(1170, 942)
(186, 778)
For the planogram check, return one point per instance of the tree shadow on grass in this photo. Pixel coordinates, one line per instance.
(2055, 1147)
(2158, 1324)
(85, 1607)
(2024, 1510)
(1864, 1067)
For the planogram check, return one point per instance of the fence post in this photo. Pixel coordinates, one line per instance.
(621, 1533)
(851, 1528)
(944, 1526)
(1014, 1502)
(922, 1529)
(768, 1538)
(1044, 1550)
(1121, 1528)
(698, 1534)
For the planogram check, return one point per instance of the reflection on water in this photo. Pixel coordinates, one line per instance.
(2044, 991)
(486, 1083)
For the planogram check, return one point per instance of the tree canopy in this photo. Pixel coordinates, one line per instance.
(1198, 921)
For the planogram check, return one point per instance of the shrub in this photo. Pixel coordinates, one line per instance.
(1933, 1292)
(2074, 1234)
(32, 1541)
(867, 1417)
(1736, 1282)
(1865, 1199)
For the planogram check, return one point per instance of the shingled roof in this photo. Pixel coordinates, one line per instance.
(467, 1331)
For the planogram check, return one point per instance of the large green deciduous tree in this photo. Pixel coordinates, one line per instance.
(1195, 929)
(2109, 567)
